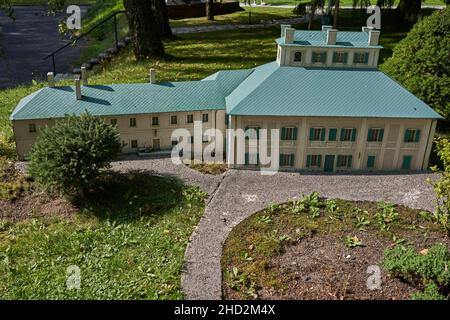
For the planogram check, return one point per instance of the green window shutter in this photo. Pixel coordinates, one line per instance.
(334, 56)
(346, 57)
(283, 133)
(366, 57)
(246, 159)
(339, 159)
(349, 161)
(319, 160)
(295, 134)
(406, 165)
(311, 134)
(405, 138)
(292, 160)
(332, 134)
(314, 57)
(342, 134)
(324, 57)
(355, 57)
(381, 135)
(323, 134)
(354, 134)
(369, 135)
(308, 161)
(417, 137)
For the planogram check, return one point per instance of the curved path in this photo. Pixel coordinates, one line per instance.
(238, 194)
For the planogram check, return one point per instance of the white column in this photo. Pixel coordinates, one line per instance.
(302, 140)
(398, 146)
(361, 144)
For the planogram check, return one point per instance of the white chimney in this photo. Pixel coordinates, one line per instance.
(152, 75)
(283, 28)
(289, 35)
(366, 29)
(51, 79)
(78, 88)
(374, 37)
(331, 36)
(84, 77)
(325, 28)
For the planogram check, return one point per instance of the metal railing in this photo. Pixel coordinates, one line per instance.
(112, 16)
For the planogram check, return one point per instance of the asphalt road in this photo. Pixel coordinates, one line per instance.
(26, 41)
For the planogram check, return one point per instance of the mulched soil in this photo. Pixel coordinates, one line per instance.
(323, 268)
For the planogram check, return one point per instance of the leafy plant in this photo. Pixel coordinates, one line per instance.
(361, 223)
(273, 208)
(352, 242)
(69, 157)
(240, 282)
(265, 219)
(387, 215)
(309, 203)
(442, 186)
(428, 268)
(331, 206)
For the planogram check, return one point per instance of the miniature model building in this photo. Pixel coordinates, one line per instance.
(335, 110)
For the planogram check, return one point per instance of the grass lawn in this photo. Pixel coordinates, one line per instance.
(342, 2)
(44, 2)
(128, 240)
(321, 250)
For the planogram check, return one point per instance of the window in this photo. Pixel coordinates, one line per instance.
(348, 134)
(344, 161)
(133, 122)
(340, 57)
(332, 134)
(317, 134)
(289, 133)
(412, 135)
(134, 144)
(155, 121)
(113, 122)
(297, 56)
(319, 57)
(287, 160)
(375, 134)
(406, 164)
(32, 128)
(361, 57)
(370, 162)
(314, 160)
(205, 117)
(252, 132)
(190, 118)
(173, 120)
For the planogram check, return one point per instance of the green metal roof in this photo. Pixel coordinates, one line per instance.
(229, 79)
(272, 90)
(344, 39)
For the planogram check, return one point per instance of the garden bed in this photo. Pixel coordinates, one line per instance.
(293, 252)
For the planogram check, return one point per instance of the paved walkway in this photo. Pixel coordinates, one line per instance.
(238, 194)
(26, 41)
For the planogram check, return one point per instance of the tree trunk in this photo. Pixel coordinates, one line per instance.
(210, 10)
(336, 13)
(163, 14)
(144, 29)
(409, 10)
(311, 17)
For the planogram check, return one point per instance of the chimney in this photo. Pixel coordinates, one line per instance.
(283, 28)
(374, 37)
(366, 29)
(51, 79)
(289, 35)
(152, 75)
(84, 77)
(325, 28)
(331, 36)
(78, 88)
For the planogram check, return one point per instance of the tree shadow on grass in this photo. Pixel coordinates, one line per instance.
(124, 197)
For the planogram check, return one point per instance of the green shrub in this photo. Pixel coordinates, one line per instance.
(68, 157)
(420, 61)
(431, 292)
(423, 269)
(442, 186)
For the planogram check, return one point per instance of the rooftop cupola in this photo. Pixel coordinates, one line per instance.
(289, 35)
(374, 37)
(331, 36)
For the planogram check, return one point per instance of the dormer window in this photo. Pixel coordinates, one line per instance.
(361, 57)
(319, 57)
(297, 56)
(340, 57)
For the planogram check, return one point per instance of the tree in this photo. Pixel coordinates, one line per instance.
(210, 9)
(315, 4)
(420, 62)
(69, 157)
(336, 13)
(145, 29)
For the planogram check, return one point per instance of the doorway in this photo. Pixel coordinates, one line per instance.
(329, 163)
(156, 144)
